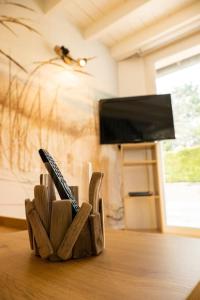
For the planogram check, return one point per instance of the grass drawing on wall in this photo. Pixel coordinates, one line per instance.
(31, 119)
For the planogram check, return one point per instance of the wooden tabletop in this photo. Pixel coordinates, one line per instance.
(133, 266)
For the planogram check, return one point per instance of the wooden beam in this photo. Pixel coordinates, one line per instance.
(47, 5)
(101, 26)
(173, 27)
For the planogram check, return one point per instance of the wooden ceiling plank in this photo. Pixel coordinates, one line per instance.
(101, 26)
(177, 25)
(77, 15)
(104, 5)
(47, 5)
(108, 40)
(98, 5)
(88, 8)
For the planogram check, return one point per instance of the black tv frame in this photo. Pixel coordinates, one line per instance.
(144, 98)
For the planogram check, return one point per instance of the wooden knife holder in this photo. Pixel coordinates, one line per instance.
(53, 234)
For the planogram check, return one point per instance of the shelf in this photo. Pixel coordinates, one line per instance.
(142, 197)
(140, 172)
(138, 146)
(143, 230)
(138, 162)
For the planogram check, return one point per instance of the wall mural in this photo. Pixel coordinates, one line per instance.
(60, 119)
(31, 118)
(56, 110)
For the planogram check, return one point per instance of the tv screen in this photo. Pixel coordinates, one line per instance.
(136, 119)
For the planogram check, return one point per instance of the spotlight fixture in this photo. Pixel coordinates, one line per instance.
(64, 54)
(82, 62)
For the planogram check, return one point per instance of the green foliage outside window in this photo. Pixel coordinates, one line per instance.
(182, 156)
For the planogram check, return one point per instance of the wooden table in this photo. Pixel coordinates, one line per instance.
(133, 266)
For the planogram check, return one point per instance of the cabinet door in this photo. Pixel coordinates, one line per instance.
(140, 212)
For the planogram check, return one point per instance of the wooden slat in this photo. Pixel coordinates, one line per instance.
(40, 235)
(73, 232)
(139, 162)
(96, 233)
(101, 212)
(94, 189)
(42, 205)
(51, 192)
(83, 245)
(170, 28)
(89, 9)
(30, 231)
(35, 247)
(150, 197)
(45, 179)
(113, 18)
(61, 219)
(77, 15)
(138, 146)
(74, 190)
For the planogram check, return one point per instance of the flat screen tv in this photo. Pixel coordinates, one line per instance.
(136, 119)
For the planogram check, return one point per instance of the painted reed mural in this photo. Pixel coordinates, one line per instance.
(33, 118)
(52, 107)
(60, 118)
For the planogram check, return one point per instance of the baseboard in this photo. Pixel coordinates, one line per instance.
(13, 222)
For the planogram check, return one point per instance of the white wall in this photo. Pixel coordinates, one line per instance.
(137, 76)
(131, 74)
(55, 29)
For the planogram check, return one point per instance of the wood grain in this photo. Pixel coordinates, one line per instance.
(4, 229)
(51, 192)
(94, 189)
(45, 179)
(195, 294)
(73, 232)
(140, 212)
(96, 233)
(61, 219)
(13, 222)
(74, 190)
(140, 165)
(83, 246)
(134, 266)
(101, 211)
(42, 205)
(35, 247)
(30, 231)
(40, 235)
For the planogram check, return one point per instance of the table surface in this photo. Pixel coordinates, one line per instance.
(133, 266)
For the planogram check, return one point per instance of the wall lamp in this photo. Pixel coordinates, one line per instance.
(64, 54)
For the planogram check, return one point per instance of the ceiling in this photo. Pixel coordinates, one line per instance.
(131, 27)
